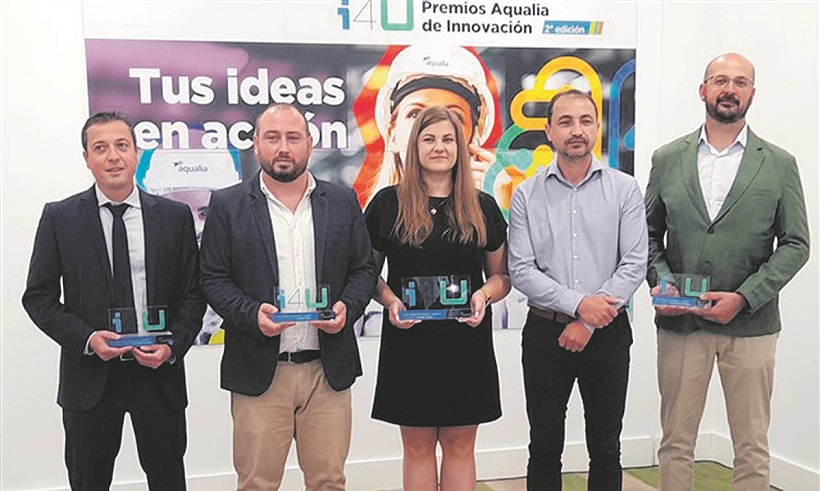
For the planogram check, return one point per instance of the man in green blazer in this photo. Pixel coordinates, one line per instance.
(718, 199)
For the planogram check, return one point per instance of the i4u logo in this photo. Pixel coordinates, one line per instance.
(322, 294)
(451, 291)
(362, 12)
(123, 320)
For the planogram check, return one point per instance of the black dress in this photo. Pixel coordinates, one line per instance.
(443, 372)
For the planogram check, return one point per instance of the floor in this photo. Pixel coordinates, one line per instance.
(709, 476)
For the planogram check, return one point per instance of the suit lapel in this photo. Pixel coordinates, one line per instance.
(152, 225)
(320, 223)
(88, 210)
(749, 167)
(259, 210)
(689, 173)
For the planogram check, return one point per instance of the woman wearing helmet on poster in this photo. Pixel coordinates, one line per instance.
(422, 76)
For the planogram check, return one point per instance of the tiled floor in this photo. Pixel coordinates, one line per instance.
(709, 476)
(572, 482)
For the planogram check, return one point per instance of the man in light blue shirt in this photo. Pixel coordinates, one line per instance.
(578, 251)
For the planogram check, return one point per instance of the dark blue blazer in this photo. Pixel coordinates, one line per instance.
(70, 247)
(240, 272)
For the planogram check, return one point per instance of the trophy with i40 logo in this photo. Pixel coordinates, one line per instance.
(682, 290)
(435, 297)
(303, 305)
(151, 329)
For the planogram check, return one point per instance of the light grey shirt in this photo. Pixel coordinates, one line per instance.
(566, 242)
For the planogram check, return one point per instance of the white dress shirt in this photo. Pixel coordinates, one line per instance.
(296, 260)
(135, 231)
(717, 170)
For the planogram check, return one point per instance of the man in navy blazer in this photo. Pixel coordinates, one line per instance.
(76, 245)
(286, 230)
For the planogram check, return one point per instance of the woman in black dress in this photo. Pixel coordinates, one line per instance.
(438, 379)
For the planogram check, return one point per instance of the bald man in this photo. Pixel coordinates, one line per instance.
(717, 202)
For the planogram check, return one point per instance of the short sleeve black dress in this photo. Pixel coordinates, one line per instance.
(443, 372)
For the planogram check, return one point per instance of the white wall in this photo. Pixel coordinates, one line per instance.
(782, 41)
(44, 104)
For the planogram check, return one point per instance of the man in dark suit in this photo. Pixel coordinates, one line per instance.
(286, 230)
(718, 199)
(115, 248)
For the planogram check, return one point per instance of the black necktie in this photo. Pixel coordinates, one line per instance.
(123, 295)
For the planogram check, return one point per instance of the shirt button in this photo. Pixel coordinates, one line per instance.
(575, 256)
(574, 211)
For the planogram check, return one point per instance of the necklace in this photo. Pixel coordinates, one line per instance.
(434, 208)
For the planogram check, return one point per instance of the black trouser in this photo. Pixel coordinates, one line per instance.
(93, 437)
(602, 371)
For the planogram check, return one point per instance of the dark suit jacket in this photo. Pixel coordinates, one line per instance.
(764, 204)
(70, 246)
(239, 272)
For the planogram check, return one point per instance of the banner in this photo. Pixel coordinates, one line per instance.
(194, 103)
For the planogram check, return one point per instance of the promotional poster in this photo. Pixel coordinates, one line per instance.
(194, 103)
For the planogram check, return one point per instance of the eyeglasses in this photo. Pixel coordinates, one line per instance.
(722, 81)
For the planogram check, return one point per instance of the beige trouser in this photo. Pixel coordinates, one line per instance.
(746, 368)
(298, 405)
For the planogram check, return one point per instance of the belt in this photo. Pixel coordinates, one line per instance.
(300, 356)
(552, 315)
(558, 317)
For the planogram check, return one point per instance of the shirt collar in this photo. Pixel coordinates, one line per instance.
(554, 170)
(132, 200)
(741, 139)
(310, 187)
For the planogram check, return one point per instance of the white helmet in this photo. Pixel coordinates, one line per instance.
(170, 169)
(449, 67)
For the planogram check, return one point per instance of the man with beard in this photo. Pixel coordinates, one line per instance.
(577, 247)
(720, 197)
(286, 230)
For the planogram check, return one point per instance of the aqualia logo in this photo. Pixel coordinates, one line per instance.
(430, 62)
(363, 13)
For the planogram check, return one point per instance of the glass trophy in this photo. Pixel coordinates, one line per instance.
(151, 329)
(682, 290)
(435, 297)
(303, 305)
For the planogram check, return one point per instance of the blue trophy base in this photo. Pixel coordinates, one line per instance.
(318, 315)
(691, 302)
(433, 315)
(136, 340)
